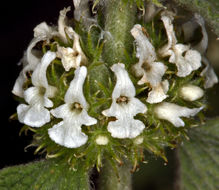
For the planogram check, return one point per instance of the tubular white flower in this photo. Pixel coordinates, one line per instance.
(152, 71)
(191, 92)
(74, 114)
(31, 60)
(124, 106)
(185, 63)
(62, 23)
(167, 18)
(35, 114)
(172, 113)
(72, 57)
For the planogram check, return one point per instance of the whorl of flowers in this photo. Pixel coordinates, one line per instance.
(80, 108)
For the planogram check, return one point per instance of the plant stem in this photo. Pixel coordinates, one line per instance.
(119, 19)
(108, 179)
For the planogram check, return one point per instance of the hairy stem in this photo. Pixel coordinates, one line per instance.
(108, 179)
(119, 19)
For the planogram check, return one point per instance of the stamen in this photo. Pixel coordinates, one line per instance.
(122, 99)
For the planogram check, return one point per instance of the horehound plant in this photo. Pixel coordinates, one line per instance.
(102, 89)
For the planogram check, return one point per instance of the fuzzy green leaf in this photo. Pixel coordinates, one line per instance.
(43, 175)
(208, 9)
(200, 158)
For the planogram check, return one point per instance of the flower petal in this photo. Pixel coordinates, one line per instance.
(154, 74)
(75, 90)
(43, 31)
(67, 58)
(72, 57)
(67, 134)
(167, 18)
(18, 86)
(86, 119)
(34, 116)
(185, 65)
(172, 113)
(62, 23)
(62, 111)
(124, 85)
(128, 128)
(194, 58)
(158, 93)
(39, 75)
(32, 96)
(145, 50)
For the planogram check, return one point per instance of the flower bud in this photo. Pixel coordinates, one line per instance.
(191, 92)
(102, 140)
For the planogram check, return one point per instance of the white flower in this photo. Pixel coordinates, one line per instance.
(74, 114)
(172, 113)
(167, 18)
(158, 93)
(102, 140)
(185, 63)
(147, 66)
(62, 23)
(35, 114)
(72, 57)
(124, 106)
(32, 59)
(191, 92)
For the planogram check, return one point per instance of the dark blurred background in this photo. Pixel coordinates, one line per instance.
(16, 31)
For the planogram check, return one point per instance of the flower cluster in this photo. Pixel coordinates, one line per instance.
(80, 107)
